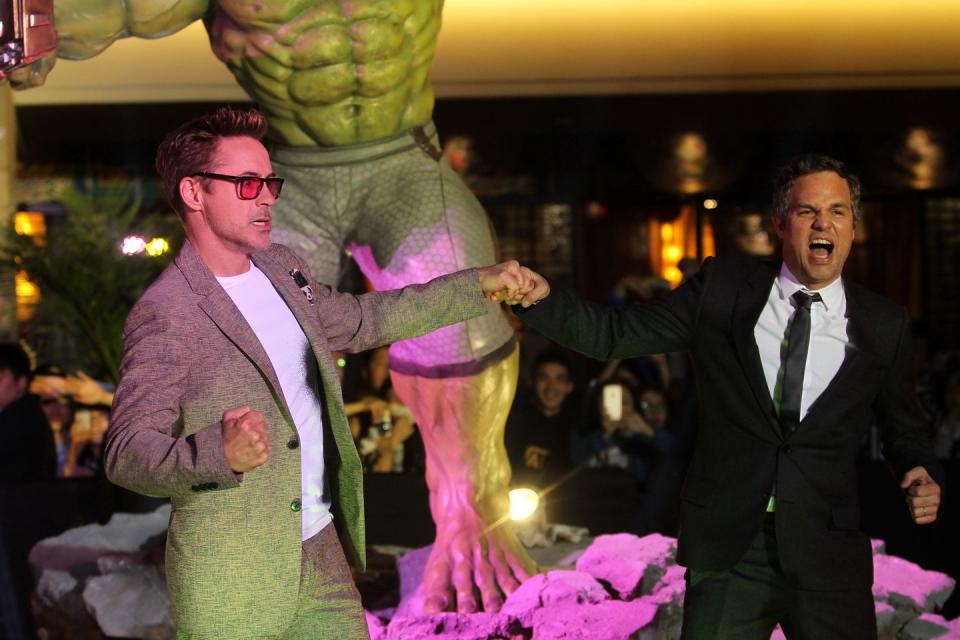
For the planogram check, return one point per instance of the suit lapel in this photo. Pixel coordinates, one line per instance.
(751, 298)
(220, 309)
(306, 315)
(856, 358)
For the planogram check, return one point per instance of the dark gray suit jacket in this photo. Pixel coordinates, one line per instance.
(740, 452)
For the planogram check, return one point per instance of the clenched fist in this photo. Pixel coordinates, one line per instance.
(245, 439)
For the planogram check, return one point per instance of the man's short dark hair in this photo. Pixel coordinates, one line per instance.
(551, 357)
(805, 165)
(189, 148)
(14, 359)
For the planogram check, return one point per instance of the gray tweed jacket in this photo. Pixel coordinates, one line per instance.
(234, 542)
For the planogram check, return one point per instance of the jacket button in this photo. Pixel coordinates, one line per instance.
(195, 487)
(295, 505)
(212, 485)
(293, 444)
(786, 449)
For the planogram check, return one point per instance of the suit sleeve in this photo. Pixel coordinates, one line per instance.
(142, 451)
(903, 430)
(360, 322)
(607, 333)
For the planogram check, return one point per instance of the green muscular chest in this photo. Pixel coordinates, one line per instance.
(331, 72)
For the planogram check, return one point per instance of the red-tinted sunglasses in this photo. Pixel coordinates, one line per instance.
(248, 187)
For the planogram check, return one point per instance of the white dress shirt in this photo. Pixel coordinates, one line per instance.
(828, 336)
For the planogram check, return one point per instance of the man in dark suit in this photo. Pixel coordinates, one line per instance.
(793, 365)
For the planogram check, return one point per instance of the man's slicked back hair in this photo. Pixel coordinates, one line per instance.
(805, 165)
(189, 148)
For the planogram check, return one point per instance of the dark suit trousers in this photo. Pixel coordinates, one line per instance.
(747, 602)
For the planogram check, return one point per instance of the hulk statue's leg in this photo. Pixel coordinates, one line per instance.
(407, 218)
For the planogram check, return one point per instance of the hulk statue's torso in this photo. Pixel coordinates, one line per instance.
(325, 72)
(331, 72)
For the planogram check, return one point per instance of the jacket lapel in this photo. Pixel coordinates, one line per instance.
(220, 308)
(306, 315)
(856, 358)
(751, 298)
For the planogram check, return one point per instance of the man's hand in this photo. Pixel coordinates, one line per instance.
(245, 439)
(922, 494)
(86, 390)
(509, 282)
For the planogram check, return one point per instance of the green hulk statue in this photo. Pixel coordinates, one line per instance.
(344, 86)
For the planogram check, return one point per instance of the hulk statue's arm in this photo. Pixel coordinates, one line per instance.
(87, 27)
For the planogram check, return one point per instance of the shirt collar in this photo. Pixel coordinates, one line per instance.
(831, 295)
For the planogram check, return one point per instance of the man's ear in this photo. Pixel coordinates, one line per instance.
(777, 225)
(21, 382)
(192, 192)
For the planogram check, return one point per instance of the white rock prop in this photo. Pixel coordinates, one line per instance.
(106, 577)
(131, 602)
(928, 626)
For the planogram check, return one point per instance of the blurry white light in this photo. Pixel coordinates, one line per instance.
(710, 203)
(132, 245)
(523, 502)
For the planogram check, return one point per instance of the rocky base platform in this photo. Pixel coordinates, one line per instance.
(107, 581)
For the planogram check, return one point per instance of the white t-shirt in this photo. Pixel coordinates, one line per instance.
(296, 367)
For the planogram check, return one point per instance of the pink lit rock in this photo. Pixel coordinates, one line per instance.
(928, 626)
(554, 591)
(410, 569)
(631, 565)
(907, 587)
(610, 620)
(668, 595)
(375, 627)
(446, 626)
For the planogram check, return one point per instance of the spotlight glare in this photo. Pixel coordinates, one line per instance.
(157, 247)
(523, 502)
(710, 203)
(132, 245)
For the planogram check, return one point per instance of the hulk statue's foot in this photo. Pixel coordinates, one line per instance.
(472, 570)
(476, 559)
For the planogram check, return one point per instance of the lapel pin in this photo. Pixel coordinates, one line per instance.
(303, 284)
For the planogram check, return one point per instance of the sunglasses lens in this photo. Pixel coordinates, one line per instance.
(250, 188)
(274, 184)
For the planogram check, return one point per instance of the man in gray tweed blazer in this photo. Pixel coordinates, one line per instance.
(229, 404)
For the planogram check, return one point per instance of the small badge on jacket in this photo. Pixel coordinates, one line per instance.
(302, 283)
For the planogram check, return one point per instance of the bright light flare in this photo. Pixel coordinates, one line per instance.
(133, 245)
(157, 247)
(710, 204)
(523, 502)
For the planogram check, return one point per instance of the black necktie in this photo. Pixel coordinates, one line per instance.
(798, 340)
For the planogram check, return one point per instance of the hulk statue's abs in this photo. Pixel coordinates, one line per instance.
(344, 85)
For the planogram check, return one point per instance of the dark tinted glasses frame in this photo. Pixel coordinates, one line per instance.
(248, 187)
